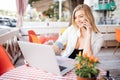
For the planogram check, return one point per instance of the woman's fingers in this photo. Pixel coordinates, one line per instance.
(87, 24)
(56, 49)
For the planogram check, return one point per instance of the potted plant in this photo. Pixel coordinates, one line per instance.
(85, 67)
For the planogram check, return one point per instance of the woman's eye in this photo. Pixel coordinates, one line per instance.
(80, 16)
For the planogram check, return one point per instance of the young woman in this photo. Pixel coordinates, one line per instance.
(82, 35)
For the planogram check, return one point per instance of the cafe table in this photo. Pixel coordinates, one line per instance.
(25, 72)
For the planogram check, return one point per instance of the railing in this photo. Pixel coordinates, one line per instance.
(8, 39)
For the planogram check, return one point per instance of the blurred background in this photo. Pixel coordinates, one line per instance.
(49, 18)
(59, 11)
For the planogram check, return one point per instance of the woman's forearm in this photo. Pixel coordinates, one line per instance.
(88, 46)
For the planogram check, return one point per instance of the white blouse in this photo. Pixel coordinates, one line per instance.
(70, 38)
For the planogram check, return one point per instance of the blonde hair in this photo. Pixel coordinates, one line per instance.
(88, 14)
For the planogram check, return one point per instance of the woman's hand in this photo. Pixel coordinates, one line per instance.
(87, 26)
(56, 49)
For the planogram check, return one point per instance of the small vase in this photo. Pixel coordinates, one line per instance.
(81, 78)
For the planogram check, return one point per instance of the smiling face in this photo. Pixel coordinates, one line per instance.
(80, 18)
(82, 13)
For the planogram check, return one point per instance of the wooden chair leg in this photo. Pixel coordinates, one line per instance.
(116, 47)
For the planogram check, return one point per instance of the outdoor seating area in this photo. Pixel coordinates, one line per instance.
(9, 38)
(10, 43)
(60, 40)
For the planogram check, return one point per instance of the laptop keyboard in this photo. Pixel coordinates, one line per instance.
(62, 68)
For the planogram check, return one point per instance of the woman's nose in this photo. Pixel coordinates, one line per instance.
(78, 20)
(82, 19)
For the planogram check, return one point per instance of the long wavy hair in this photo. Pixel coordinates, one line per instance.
(88, 13)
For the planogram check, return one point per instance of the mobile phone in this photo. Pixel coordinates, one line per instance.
(85, 27)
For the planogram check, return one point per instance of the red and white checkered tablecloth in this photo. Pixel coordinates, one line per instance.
(29, 73)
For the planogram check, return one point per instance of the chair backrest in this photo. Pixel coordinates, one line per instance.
(34, 39)
(117, 33)
(62, 31)
(31, 32)
(5, 62)
(42, 39)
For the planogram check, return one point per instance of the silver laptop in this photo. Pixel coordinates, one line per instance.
(43, 57)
